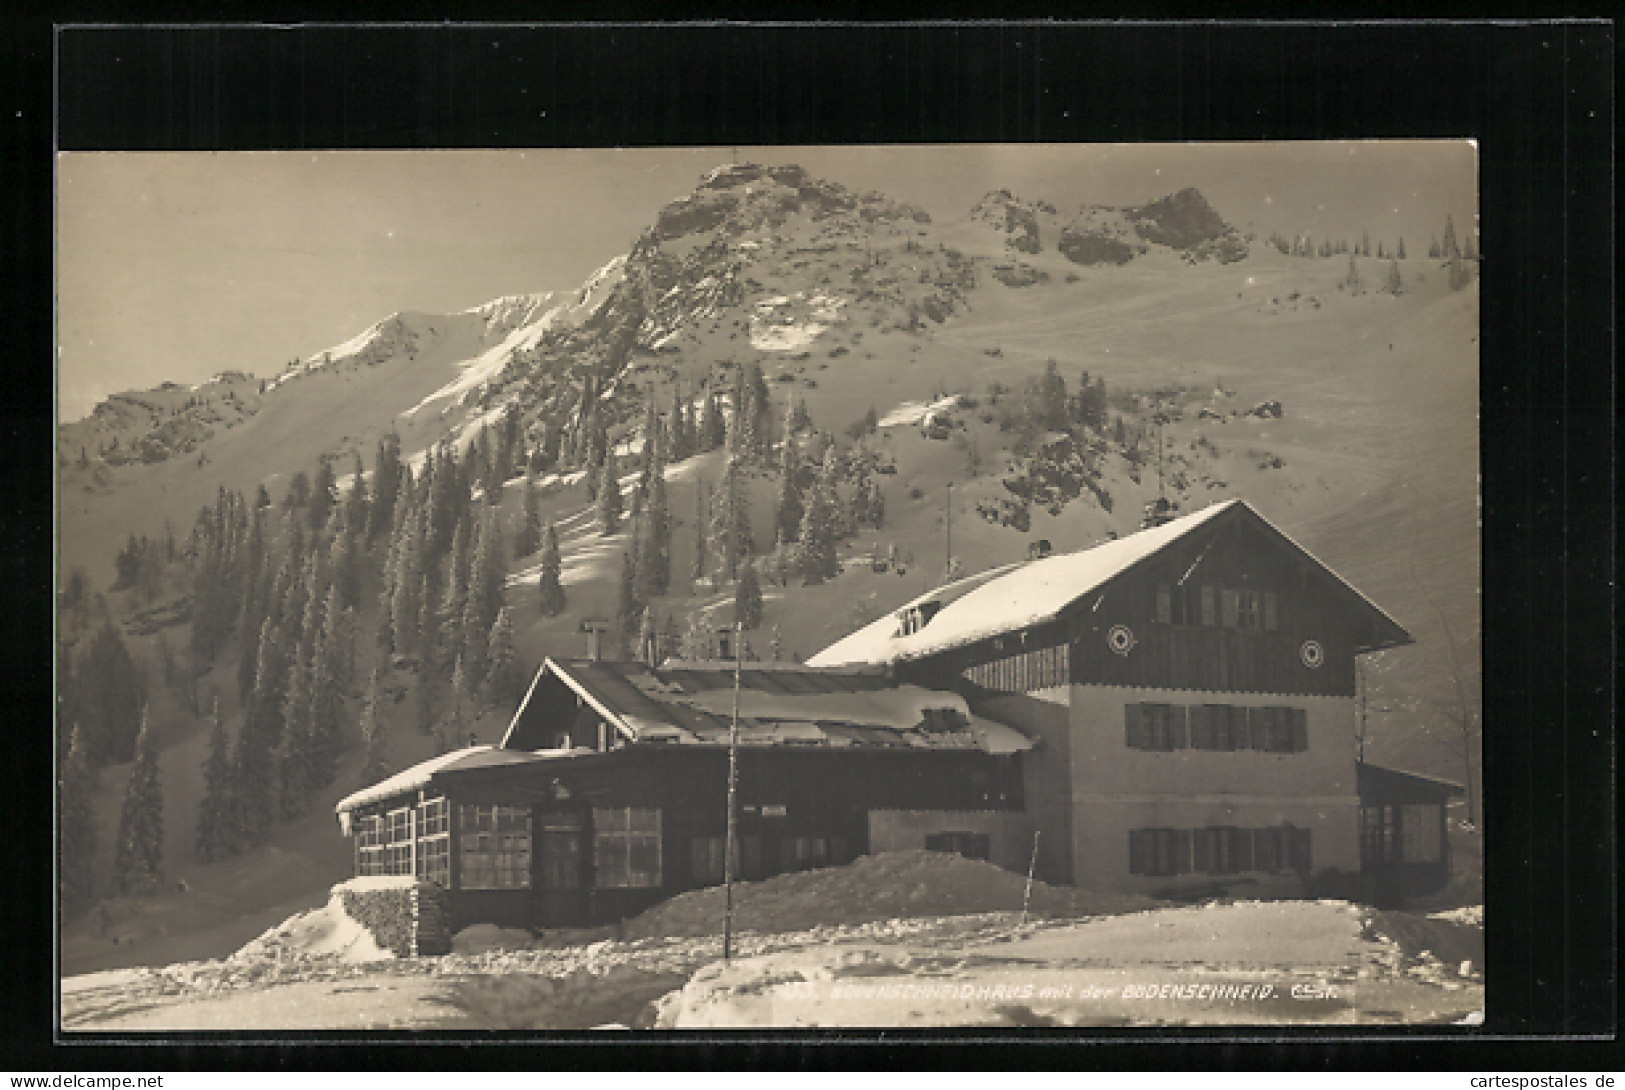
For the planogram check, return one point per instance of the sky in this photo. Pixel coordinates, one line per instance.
(176, 266)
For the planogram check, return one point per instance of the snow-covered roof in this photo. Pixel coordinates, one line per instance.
(1030, 593)
(1007, 599)
(408, 779)
(691, 703)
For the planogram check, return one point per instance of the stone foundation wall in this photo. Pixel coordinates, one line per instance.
(409, 920)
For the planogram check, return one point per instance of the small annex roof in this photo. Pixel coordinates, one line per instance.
(407, 779)
(1034, 592)
(691, 703)
(1374, 779)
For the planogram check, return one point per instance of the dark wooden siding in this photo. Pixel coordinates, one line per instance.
(824, 793)
(1293, 601)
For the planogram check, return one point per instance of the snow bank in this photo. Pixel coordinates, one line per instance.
(485, 937)
(1471, 915)
(325, 932)
(893, 885)
(913, 412)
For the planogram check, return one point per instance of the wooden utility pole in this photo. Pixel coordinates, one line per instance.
(1032, 865)
(733, 776)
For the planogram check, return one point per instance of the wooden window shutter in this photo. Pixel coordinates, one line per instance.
(1165, 609)
(1230, 607)
(1241, 849)
(1136, 851)
(1201, 726)
(1269, 611)
(1134, 726)
(1258, 728)
(1178, 736)
(1264, 849)
(1202, 840)
(1299, 851)
(1182, 851)
(1208, 605)
(1300, 730)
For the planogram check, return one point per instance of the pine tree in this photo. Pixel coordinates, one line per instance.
(701, 521)
(452, 729)
(374, 736)
(386, 487)
(215, 835)
(815, 554)
(257, 741)
(1352, 280)
(609, 499)
(356, 502)
(732, 520)
(628, 609)
(648, 638)
(529, 537)
(76, 825)
(713, 431)
(139, 855)
(326, 704)
(323, 495)
(551, 590)
(1396, 283)
(1450, 249)
(682, 436)
(295, 751)
(748, 598)
(787, 515)
(1400, 253)
(506, 679)
(655, 553)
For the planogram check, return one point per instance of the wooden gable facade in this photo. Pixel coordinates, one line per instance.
(1232, 606)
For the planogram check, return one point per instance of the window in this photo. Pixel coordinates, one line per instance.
(369, 846)
(1249, 609)
(1183, 605)
(1377, 838)
(969, 845)
(1209, 607)
(705, 860)
(1223, 850)
(384, 843)
(626, 847)
(1419, 834)
(810, 852)
(1159, 851)
(495, 843)
(1155, 726)
(434, 841)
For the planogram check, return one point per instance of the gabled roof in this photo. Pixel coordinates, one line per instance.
(691, 703)
(1036, 592)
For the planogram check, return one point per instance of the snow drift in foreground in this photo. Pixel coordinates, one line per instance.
(328, 931)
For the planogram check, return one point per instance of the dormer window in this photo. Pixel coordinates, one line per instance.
(917, 617)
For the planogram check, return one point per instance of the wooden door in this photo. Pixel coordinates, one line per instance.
(561, 879)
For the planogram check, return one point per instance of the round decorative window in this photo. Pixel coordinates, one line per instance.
(1312, 654)
(1120, 639)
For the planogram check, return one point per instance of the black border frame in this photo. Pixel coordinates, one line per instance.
(1538, 96)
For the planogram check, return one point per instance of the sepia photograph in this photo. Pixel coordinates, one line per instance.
(770, 587)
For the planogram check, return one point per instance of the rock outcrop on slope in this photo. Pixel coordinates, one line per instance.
(1182, 221)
